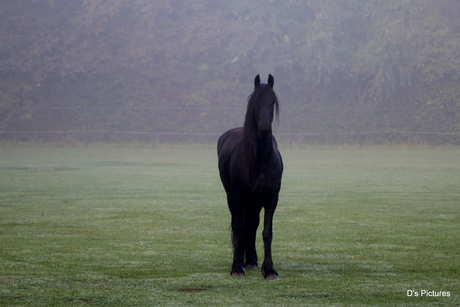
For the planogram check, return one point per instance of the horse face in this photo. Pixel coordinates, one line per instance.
(266, 117)
(263, 103)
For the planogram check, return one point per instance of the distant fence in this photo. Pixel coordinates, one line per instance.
(205, 124)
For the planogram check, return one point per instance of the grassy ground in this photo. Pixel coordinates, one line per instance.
(141, 227)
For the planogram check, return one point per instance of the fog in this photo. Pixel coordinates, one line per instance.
(181, 71)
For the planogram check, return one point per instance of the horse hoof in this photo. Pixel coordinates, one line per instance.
(271, 277)
(235, 274)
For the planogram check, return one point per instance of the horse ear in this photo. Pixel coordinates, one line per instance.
(257, 81)
(271, 81)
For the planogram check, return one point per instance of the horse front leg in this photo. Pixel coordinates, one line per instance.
(267, 234)
(239, 244)
(252, 222)
(236, 207)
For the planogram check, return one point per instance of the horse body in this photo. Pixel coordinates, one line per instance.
(250, 168)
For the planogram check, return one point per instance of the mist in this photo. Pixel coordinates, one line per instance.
(359, 72)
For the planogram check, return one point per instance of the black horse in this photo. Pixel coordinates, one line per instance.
(250, 168)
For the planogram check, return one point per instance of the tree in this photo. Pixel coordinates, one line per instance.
(139, 53)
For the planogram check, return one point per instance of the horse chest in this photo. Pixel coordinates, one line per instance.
(264, 183)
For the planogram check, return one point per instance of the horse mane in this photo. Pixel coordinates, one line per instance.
(250, 129)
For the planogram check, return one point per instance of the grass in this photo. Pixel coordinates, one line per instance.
(142, 227)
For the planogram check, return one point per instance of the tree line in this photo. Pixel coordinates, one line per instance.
(346, 54)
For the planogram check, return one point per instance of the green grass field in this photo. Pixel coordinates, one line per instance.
(107, 226)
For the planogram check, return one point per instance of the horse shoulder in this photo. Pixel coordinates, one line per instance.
(228, 148)
(229, 139)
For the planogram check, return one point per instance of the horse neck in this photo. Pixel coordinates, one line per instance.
(256, 151)
(264, 148)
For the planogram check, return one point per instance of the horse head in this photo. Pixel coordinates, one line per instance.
(267, 104)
